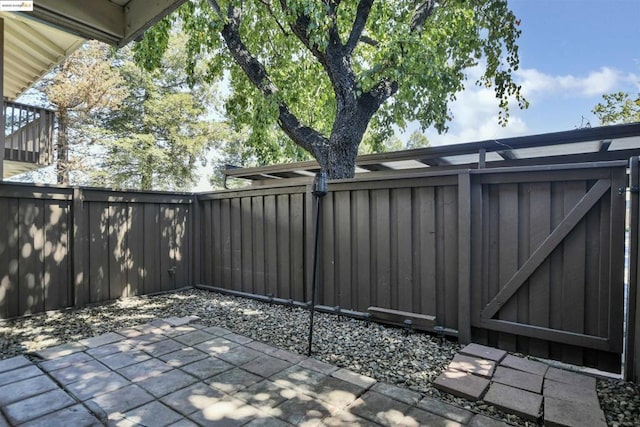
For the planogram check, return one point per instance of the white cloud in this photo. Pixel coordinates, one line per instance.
(538, 84)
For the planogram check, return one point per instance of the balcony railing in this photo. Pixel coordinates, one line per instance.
(28, 133)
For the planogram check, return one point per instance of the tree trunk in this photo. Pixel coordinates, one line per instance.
(62, 164)
(340, 160)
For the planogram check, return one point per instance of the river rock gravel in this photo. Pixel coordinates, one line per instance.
(411, 360)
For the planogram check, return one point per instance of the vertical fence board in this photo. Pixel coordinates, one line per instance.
(362, 253)
(218, 243)
(405, 249)
(523, 253)
(57, 280)
(450, 254)
(573, 273)
(247, 245)
(30, 265)
(284, 251)
(327, 282)
(98, 252)
(297, 254)
(540, 228)
(135, 266)
(271, 260)
(508, 255)
(167, 261)
(259, 286)
(426, 239)
(343, 281)
(9, 258)
(152, 248)
(382, 248)
(207, 243)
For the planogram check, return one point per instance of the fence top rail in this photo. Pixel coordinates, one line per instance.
(558, 167)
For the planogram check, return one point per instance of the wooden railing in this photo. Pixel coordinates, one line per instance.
(28, 133)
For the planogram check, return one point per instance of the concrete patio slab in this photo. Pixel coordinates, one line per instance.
(216, 346)
(120, 360)
(37, 406)
(226, 412)
(526, 365)
(217, 330)
(380, 409)
(207, 368)
(473, 365)
(19, 374)
(122, 400)
(13, 363)
(462, 384)
(266, 365)
(168, 382)
(160, 348)
(65, 361)
(483, 352)
(76, 415)
(573, 393)
(484, 421)
(298, 378)
(60, 350)
(265, 395)
(240, 356)
(143, 370)
(233, 380)
(193, 398)
(100, 340)
(518, 379)
(81, 371)
(97, 385)
(152, 414)
(558, 412)
(445, 410)
(354, 378)
(193, 338)
(515, 401)
(400, 394)
(105, 350)
(240, 339)
(24, 389)
(567, 377)
(183, 357)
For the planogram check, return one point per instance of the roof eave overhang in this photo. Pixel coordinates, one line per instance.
(103, 20)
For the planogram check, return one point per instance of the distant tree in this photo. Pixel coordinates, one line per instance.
(417, 140)
(163, 129)
(85, 84)
(327, 71)
(618, 107)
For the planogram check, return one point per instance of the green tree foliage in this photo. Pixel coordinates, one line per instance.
(417, 140)
(163, 129)
(617, 108)
(327, 71)
(85, 84)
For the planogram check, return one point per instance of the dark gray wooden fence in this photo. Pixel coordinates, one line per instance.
(529, 259)
(62, 247)
(526, 259)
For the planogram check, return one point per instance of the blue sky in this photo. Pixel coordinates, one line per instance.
(571, 52)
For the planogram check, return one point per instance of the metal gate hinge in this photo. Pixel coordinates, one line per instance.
(623, 190)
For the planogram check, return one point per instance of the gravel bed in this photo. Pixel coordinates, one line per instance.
(385, 353)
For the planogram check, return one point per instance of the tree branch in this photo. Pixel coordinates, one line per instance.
(362, 15)
(305, 136)
(422, 13)
(273, 15)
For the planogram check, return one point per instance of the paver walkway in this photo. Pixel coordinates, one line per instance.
(175, 372)
(527, 388)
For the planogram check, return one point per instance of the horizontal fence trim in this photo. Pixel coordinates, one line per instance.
(414, 181)
(547, 168)
(564, 337)
(547, 246)
(540, 176)
(253, 191)
(35, 195)
(91, 196)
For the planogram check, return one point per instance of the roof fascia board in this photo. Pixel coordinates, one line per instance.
(101, 20)
(140, 15)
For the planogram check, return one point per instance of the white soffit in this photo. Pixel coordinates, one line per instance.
(31, 49)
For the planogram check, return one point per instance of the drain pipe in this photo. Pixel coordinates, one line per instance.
(320, 189)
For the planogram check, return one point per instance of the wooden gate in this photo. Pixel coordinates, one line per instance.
(547, 262)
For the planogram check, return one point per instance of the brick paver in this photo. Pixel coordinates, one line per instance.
(518, 379)
(526, 365)
(13, 363)
(574, 393)
(196, 397)
(462, 384)
(100, 340)
(398, 393)
(562, 376)
(445, 410)
(122, 400)
(515, 401)
(266, 365)
(473, 365)
(483, 352)
(558, 412)
(37, 406)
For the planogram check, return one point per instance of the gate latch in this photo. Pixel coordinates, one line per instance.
(623, 190)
